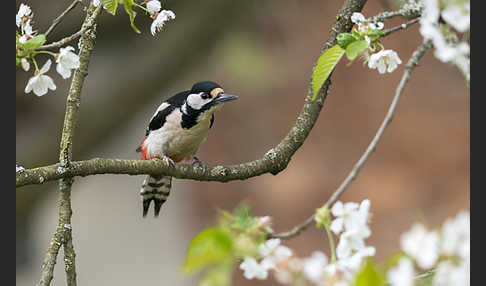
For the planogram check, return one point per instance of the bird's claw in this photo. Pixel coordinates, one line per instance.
(196, 163)
(168, 161)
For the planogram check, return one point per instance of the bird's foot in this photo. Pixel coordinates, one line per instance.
(168, 161)
(196, 163)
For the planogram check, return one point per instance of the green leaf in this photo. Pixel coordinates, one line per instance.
(219, 275)
(375, 34)
(128, 8)
(325, 64)
(34, 42)
(356, 48)
(369, 276)
(110, 6)
(243, 218)
(344, 39)
(210, 246)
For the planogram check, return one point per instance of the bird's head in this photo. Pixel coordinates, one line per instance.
(207, 96)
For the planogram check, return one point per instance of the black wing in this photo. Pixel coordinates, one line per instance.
(159, 119)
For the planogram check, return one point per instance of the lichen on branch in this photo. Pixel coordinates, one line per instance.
(274, 161)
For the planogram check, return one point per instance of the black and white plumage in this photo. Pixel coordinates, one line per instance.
(175, 132)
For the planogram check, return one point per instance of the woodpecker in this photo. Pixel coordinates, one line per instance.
(175, 132)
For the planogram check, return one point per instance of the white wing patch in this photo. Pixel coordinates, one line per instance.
(163, 106)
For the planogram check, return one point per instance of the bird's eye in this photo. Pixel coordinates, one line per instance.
(205, 96)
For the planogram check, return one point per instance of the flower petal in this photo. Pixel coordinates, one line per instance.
(45, 68)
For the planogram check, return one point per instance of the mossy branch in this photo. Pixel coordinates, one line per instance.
(63, 234)
(274, 161)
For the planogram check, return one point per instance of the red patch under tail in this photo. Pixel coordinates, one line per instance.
(145, 156)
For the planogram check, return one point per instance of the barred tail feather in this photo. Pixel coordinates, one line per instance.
(155, 189)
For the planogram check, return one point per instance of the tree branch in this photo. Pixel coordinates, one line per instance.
(59, 18)
(274, 161)
(412, 63)
(62, 42)
(63, 234)
(400, 27)
(88, 23)
(409, 11)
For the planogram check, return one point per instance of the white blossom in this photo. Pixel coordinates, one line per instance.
(96, 3)
(431, 12)
(24, 12)
(458, 16)
(343, 213)
(273, 253)
(313, 267)
(280, 253)
(359, 219)
(25, 64)
(272, 248)
(384, 61)
(378, 26)
(28, 28)
(447, 52)
(449, 274)
(422, 245)
(265, 222)
(456, 236)
(268, 246)
(23, 39)
(253, 269)
(403, 274)
(66, 61)
(154, 6)
(352, 263)
(162, 17)
(285, 274)
(363, 26)
(28, 32)
(351, 217)
(40, 83)
(350, 240)
(357, 18)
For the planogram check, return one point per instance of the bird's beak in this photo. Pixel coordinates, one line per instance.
(223, 97)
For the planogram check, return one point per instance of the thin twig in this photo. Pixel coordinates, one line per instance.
(88, 24)
(62, 42)
(63, 234)
(412, 63)
(400, 27)
(59, 18)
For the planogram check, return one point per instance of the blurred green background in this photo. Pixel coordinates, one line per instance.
(264, 52)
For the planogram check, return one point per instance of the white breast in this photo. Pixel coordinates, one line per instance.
(173, 140)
